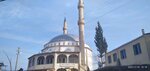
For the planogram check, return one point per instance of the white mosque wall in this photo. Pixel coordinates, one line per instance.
(67, 65)
(61, 49)
(38, 67)
(88, 58)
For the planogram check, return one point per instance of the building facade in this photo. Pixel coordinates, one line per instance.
(62, 53)
(135, 52)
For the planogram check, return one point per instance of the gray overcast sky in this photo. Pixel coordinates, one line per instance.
(29, 24)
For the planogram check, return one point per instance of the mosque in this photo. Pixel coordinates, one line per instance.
(64, 52)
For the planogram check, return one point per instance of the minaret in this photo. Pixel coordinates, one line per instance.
(81, 31)
(65, 27)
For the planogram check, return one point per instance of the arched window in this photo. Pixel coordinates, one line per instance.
(49, 59)
(73, 69)
(73, 59)
(33, 59)
(62, 59)
(30, 62)
(63, 43)
(40, 60)
(61, 69)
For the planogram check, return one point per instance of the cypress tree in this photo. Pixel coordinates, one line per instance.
(100, 42)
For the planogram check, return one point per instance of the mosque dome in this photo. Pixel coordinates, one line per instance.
(63, 40)
(65, 37)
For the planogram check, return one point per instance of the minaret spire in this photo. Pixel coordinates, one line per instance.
(81, 31)
(65, 27)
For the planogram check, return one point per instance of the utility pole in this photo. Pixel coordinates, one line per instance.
(9, 60)
(18, 52)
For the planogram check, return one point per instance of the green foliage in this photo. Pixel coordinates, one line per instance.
(100, 40)
(100, 43)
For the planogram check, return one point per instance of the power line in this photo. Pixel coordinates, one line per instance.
(111, 10)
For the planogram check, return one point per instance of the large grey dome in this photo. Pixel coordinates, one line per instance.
(65, 37)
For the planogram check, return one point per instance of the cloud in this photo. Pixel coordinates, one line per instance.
(20, 38)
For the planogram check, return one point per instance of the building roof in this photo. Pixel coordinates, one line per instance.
(65, 37)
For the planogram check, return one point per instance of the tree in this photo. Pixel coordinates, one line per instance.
(100, 42)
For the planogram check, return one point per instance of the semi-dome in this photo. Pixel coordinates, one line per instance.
(65, 37)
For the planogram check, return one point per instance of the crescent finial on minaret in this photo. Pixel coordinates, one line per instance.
(65, 27)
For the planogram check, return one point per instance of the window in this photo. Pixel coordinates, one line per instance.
(40, 60)
(63, 43)
(62, 59)
(73, 59)
(137, 49)
(114, 57)
(123, 54)
(30, 63)
(49, 59)
(109, 59)
(68, 43)
(33, 61)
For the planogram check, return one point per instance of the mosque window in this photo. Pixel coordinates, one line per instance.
(73, 59)
(76, 43)
(73, 43)
(40, 60)
(60, 43)
(30, 61)
(33, 59)
(63, 43)
(49, 59)
(73, 69)
(62, 59)
(61, 69)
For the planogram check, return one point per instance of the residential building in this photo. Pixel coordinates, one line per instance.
(135, 52)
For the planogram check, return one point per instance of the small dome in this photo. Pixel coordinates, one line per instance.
(65, 37)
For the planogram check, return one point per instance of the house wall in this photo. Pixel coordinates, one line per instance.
(147, 41)
(132, 59)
